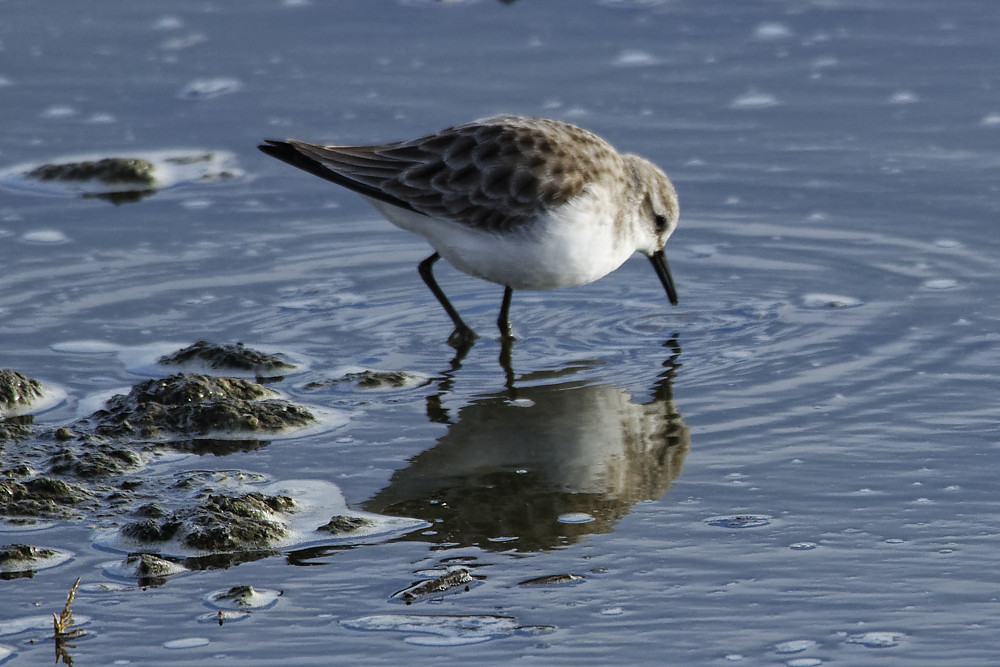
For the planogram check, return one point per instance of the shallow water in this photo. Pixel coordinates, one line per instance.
(794, 464)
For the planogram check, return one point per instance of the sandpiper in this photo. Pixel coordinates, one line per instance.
(527, 203)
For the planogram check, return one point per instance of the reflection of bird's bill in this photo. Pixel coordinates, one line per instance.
(659, 261)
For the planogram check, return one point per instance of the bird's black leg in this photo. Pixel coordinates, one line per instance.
(503, 321)
(462, 337)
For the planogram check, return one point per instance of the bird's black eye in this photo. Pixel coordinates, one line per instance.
(660, 222)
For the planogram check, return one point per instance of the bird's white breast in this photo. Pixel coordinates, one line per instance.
(573, 245)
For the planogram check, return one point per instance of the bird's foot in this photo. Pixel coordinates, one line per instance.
(462, 338)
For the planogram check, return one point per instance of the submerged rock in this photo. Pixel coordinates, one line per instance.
(456, 579)
(553, 580)
(344, 524)
(384, 379)
(232, 357)
(371, 379)
(196, 405)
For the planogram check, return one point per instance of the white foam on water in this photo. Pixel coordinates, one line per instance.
(45, 237)
(771, 31)
(941, 284)
(876, 639)
(754, 100)
(635, 58)
(186, 642)
(794, 646)
(203, 89)
(443, 630)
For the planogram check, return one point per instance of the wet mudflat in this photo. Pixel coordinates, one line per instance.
(793, 466)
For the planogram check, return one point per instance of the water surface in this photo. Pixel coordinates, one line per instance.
(794, 464)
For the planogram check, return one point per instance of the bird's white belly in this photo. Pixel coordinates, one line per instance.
(574, 246)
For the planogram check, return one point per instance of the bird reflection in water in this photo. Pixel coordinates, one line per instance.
(507, 470)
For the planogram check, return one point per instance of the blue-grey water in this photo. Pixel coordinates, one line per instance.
(796, 465)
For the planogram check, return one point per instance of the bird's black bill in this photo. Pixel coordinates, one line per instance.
(659, 261)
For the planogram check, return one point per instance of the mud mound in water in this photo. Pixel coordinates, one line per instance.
(17, 390)
(228, 357)
(195, 405)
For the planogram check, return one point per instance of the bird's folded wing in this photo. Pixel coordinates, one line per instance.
(487, 176)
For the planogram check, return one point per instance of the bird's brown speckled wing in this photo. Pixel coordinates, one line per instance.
(493, 174)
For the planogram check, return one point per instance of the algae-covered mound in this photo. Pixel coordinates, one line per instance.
(220, 523)
(39, 497)
(146, 568)
(17, 390)
(121, 178)
(18, 560)
(236, 357)
(15, 428)
(192, 405)
(342, 524)
(112, 171)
